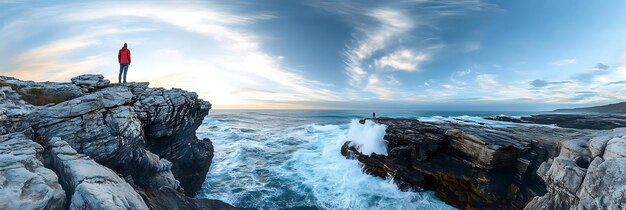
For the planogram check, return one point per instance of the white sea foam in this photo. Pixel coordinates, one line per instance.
(301, 166)
(339, 183)
(368, 137)
(479, 121)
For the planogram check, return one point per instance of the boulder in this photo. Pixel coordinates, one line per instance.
(88, 184)
(615, 148)
(24, 181)
(575, 182)
(598, 144)
(13, 111)
(564, 175)
(90, 82)
(604, 186)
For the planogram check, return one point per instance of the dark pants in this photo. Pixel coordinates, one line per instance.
(123, 69)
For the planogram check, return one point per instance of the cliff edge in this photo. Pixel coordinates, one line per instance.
(90, 144)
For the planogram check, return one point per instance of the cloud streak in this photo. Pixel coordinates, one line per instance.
(381, 40)
(240, 58)
(403, 60)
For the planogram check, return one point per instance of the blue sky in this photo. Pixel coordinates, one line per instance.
(419, 54)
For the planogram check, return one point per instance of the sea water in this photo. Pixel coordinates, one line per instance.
(284, 159)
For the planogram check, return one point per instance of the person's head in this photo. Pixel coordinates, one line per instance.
(125, 45)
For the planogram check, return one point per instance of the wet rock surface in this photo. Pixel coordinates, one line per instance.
(141, 141)
(596, 121)
(469, 166)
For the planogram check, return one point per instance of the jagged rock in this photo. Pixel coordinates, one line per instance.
(598, 144)
(576, 183)
(170, 119)
(60, 90)
(495, 149)
(13, 111)
(468, 166)
(166, 198)
(88, 184)
(24, 182)
(104, 126)
(615, 148)
(565, 175)
(604, 186)
(90, 82)
(575, 149)
(147, 135)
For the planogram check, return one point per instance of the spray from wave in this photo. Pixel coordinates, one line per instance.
(278, 165)
(368, 137)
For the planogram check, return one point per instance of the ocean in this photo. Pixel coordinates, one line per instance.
(290, 159)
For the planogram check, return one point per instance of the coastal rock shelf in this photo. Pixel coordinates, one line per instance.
(580, 121)
(107, 146)
(483, 167)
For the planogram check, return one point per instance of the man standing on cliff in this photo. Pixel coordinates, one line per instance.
(124, 58)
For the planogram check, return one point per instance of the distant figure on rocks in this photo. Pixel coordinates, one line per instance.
(124, 58)
(374, 115)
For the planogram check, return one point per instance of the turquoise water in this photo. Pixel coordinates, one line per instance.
(291, 160)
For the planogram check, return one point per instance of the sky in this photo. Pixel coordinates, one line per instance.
(333, 54)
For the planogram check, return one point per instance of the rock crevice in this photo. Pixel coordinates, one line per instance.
(468, 166)
(145, 135)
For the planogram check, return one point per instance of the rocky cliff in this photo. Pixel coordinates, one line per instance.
(483, 167)
(588, 173)
(90, 144)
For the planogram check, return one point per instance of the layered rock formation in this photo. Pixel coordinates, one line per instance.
(24, 182)
(469, 167)
(89, 185)
(101, 138)
(578, 121)
(587, 174)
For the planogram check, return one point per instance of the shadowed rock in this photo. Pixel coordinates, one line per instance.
(170, 119)
(24, 182)
(575, 183)
(88, 184)
(469, 167)
(147, 135)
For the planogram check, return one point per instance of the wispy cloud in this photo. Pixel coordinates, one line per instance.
(382, 34)
(486, 81)
(601, 67)
(395, 51)
(471, 47)
(404, 60)
(391, 23)
(237, 57)
(542, 83)
(564, 62)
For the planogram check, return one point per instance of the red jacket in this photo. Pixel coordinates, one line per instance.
(124, 56)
